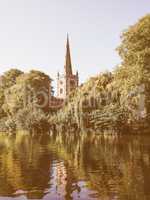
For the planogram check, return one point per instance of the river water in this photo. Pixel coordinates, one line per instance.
(74, 166)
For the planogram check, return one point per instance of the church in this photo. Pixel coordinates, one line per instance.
(67, 81)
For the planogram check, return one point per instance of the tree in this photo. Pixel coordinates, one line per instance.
(135, 53)
(135, 50)
(2, 98)
(31, 88)
(9, 78)
(38, 87)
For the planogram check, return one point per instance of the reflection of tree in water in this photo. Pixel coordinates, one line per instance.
(72, 165)
(23, 166)
(113, 166)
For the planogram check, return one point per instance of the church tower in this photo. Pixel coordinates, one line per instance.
(67, 81)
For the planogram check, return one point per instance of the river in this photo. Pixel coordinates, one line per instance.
(70, 166)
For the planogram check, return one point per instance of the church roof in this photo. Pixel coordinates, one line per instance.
(68, 64)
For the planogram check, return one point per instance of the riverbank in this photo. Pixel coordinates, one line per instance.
(117, 100)
(120, 99)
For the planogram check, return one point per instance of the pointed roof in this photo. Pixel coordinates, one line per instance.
(68, 65)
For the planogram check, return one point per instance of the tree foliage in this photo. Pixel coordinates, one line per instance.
(9, 77)
(22, 100)
(117, 96)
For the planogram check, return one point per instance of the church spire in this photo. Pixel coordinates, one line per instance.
(68, 65)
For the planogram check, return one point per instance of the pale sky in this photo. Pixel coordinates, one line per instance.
(33, 33)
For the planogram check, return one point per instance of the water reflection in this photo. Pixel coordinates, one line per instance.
(74, 166)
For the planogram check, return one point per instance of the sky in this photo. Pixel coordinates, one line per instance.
(33, 33)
